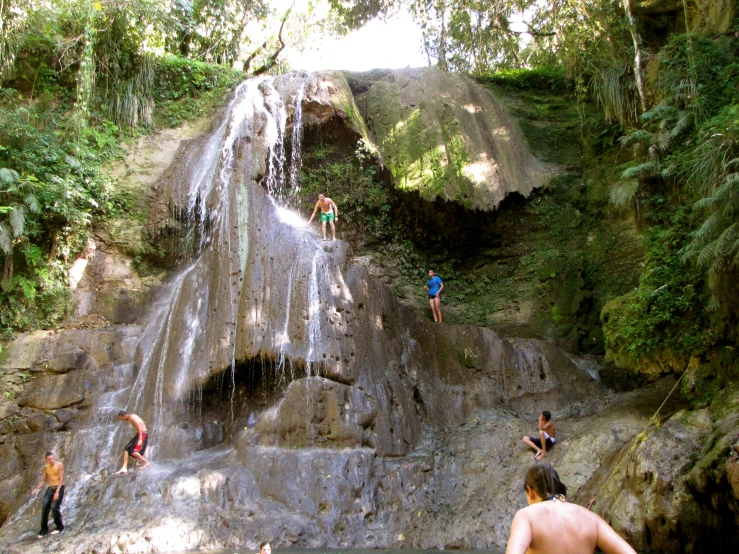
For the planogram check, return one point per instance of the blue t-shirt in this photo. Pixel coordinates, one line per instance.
(434, 284)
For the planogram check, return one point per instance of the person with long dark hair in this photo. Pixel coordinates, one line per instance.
(551, 524)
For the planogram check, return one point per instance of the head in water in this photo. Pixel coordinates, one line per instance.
(265, 548)
(543, 480)
(546, 415)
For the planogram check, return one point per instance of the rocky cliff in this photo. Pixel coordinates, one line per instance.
(288, 394)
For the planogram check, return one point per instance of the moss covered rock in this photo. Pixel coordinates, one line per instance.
(652, 363)
(446, 137)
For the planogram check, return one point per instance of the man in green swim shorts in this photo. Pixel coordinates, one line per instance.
(329, 212)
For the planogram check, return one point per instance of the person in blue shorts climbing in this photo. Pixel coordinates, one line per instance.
(434, 286)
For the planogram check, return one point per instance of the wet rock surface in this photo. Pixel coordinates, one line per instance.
(290, 396)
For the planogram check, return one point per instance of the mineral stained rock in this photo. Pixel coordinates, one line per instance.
(289, 395)
(446, 137)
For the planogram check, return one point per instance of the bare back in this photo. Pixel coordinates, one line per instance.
(555, 527)
(137, 422)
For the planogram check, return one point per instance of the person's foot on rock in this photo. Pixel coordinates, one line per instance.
(144, 466)
(121, 472)
(56, 532)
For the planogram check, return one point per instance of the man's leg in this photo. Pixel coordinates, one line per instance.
(124, 467)
(543, 452)
(437, 306)
(323, 227)
(45, 509)
(433, 309)
(140, 458)
(532, 444)
(56, 512)
(333, 230)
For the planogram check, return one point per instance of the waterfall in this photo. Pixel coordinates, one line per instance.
(194, 327)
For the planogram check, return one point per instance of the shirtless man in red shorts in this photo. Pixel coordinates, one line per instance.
(137, 446)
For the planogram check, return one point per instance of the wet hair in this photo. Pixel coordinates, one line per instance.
(263, 544)
(49, 453)
(122, 413)
(544, 479)
(547, 415)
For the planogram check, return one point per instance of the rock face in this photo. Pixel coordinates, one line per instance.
(446, 136)
(288, 395)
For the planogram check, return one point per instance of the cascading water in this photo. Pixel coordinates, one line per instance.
(313, 459)
(179, 346)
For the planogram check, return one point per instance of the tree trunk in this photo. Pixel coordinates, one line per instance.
(7, 270)
(637, 54)
(441, 63)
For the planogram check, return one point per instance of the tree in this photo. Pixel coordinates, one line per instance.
(16, 196)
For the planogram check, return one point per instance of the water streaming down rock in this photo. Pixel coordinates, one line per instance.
(198, 336)
(264, 295)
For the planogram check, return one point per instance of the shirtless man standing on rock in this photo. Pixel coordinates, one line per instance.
(54, 474)
(552, 525)
(329, 212)
(137, 446)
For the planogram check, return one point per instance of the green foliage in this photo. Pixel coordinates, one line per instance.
(544, 100)
(715, 243)
(352, 181)
(667, 310)
(613, 88)
(543, 79)
(52, 186)
(692, 73)
(176, 78)
(187, 89)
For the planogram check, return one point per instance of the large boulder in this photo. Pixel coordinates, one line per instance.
(446, 136)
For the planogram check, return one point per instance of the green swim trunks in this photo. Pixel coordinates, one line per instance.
(327, 216)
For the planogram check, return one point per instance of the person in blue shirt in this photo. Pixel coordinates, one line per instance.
(434, 286)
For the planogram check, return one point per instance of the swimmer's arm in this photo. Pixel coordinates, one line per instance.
(520, 538)
(609, 541)
(314, 212)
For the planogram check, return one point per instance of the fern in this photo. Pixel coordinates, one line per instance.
(624, 192)
(638, 136)
(8, 176)
(614, 90)
(6, 238)
(17, 218)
